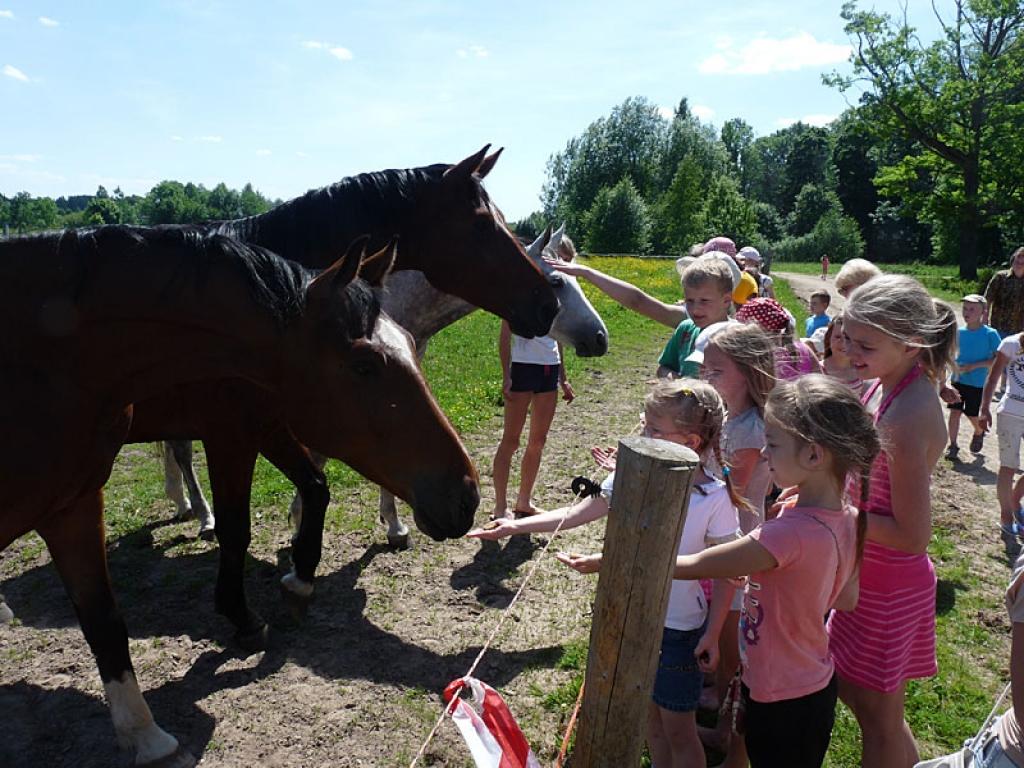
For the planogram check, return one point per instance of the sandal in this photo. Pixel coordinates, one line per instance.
(977, 442)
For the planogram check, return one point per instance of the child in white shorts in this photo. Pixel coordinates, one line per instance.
(1009, 429)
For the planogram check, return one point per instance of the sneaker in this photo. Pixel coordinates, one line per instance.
(952, 452)
(977, 442)
(1018, 518)
(1010, 530)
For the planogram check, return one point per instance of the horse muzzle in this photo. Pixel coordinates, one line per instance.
(445, 510)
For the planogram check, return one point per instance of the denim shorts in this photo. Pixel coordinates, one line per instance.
(678, 682)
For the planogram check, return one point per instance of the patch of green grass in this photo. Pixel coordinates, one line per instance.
(942, 280)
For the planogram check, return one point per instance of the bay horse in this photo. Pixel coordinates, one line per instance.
(90, 316)
(423, 311)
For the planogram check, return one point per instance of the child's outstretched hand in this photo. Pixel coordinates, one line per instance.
(494, 530)
(707, 653)
(605, 457)
(581, 563)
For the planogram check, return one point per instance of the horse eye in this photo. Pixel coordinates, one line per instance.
(555, 279)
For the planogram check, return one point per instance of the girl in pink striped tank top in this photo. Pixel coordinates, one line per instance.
(897, 334)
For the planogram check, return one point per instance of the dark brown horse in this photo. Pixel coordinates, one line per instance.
(89, 318)
(451, 232)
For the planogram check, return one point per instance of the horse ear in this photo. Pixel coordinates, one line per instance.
(465, 168)
(488, 163)
(343, 271)
(376, 267)
(536, 248)
(556, 239)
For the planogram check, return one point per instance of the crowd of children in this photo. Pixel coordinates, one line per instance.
(839, 595)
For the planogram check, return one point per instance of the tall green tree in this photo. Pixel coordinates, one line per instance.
(618, 221)
(960, 98)
(727, 212)
(737, 136)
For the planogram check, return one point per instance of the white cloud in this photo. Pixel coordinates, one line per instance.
(764, 55)
(210, 139)
(46, 21)
(702, 112)
(819, 120)
(262, 152)
(6, 14)
(473, 50)
(23, 158)
(300, 153)
(16, 73)
(177, 138)
(667, 112)
(339, 52)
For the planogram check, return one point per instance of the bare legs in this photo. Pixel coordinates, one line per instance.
(541, 407)
(672, 739)
(954, 426)
(1009, 495)
(885, 735)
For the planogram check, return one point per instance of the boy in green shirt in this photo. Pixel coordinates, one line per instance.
(708, 286)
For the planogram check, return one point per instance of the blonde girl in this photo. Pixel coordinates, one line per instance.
(897, 334)
(739, 362)
(799, 565)
(689, 413)
(836, 363)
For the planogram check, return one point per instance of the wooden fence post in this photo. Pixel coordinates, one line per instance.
(649, 502)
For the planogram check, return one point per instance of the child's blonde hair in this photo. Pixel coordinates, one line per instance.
(822, 410)
(752, 349)
(900, 307)
(855, 273)
(704, 271)
(696, 408)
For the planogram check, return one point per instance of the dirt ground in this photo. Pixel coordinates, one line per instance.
(357, 683)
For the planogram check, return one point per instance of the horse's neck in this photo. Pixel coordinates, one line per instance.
(134, 316)
(410, 299)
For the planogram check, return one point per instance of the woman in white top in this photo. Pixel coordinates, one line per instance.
(532, 371)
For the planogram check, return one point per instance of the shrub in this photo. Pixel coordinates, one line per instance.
(618, 221)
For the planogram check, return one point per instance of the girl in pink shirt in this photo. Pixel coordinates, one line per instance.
(798, 565)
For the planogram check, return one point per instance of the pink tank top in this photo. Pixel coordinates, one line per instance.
(879, 496)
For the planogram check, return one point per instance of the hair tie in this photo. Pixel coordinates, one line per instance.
(726, 472)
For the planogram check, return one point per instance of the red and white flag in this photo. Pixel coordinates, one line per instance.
(492, 734)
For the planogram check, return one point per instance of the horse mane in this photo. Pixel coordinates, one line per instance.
(274, 284)
(378, 203)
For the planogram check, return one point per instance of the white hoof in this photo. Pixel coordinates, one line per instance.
(297, 586)
(180, 758)
(6, 614)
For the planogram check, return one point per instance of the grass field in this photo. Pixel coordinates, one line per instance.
(462, 367)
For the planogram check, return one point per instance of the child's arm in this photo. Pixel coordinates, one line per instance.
(721, 602)
(567, 394)
(627, 294)
(725, 561)
(744, 461)
(586, 511)
(994, 374)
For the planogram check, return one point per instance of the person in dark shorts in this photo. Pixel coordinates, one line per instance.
(977, 346)
(532, 374)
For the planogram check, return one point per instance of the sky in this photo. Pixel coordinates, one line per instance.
(294, 96)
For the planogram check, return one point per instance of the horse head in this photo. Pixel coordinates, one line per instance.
(577, 323)
(371, 406)
(465, 248)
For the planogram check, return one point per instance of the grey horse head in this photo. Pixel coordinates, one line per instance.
(577, 323)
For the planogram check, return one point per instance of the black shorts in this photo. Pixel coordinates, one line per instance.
(533, 377)
(970, 399)
(793, 732)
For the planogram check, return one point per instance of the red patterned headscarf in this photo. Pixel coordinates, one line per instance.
(768, 313)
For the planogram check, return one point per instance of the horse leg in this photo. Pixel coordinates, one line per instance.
(304, 470)
(76, 542)
(230, 462)
(398, 532)
(173, 487)
(183, 456)
(295, 510)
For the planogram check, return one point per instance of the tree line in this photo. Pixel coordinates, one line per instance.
(169, 202)
(927, 166)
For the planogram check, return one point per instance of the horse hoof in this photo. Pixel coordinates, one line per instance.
(207, 534)
(6, 614)
(179, 758)
(399, 541)
(255, 640)
(297, 604)
(183, 514)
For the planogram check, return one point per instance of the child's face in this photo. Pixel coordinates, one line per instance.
(972, 312)
(706, 304)
(784, 453)
(721, 372)
(818, 306)
(874, 354)
(836, 339)
(661, 426)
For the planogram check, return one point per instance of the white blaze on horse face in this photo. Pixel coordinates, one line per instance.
(133, 722)
(395, 341)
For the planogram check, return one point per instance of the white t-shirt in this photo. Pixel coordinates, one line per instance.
(540, 350)
(1012, 403)
(710, 519)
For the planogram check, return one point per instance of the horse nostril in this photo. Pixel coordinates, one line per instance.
(601, 342)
